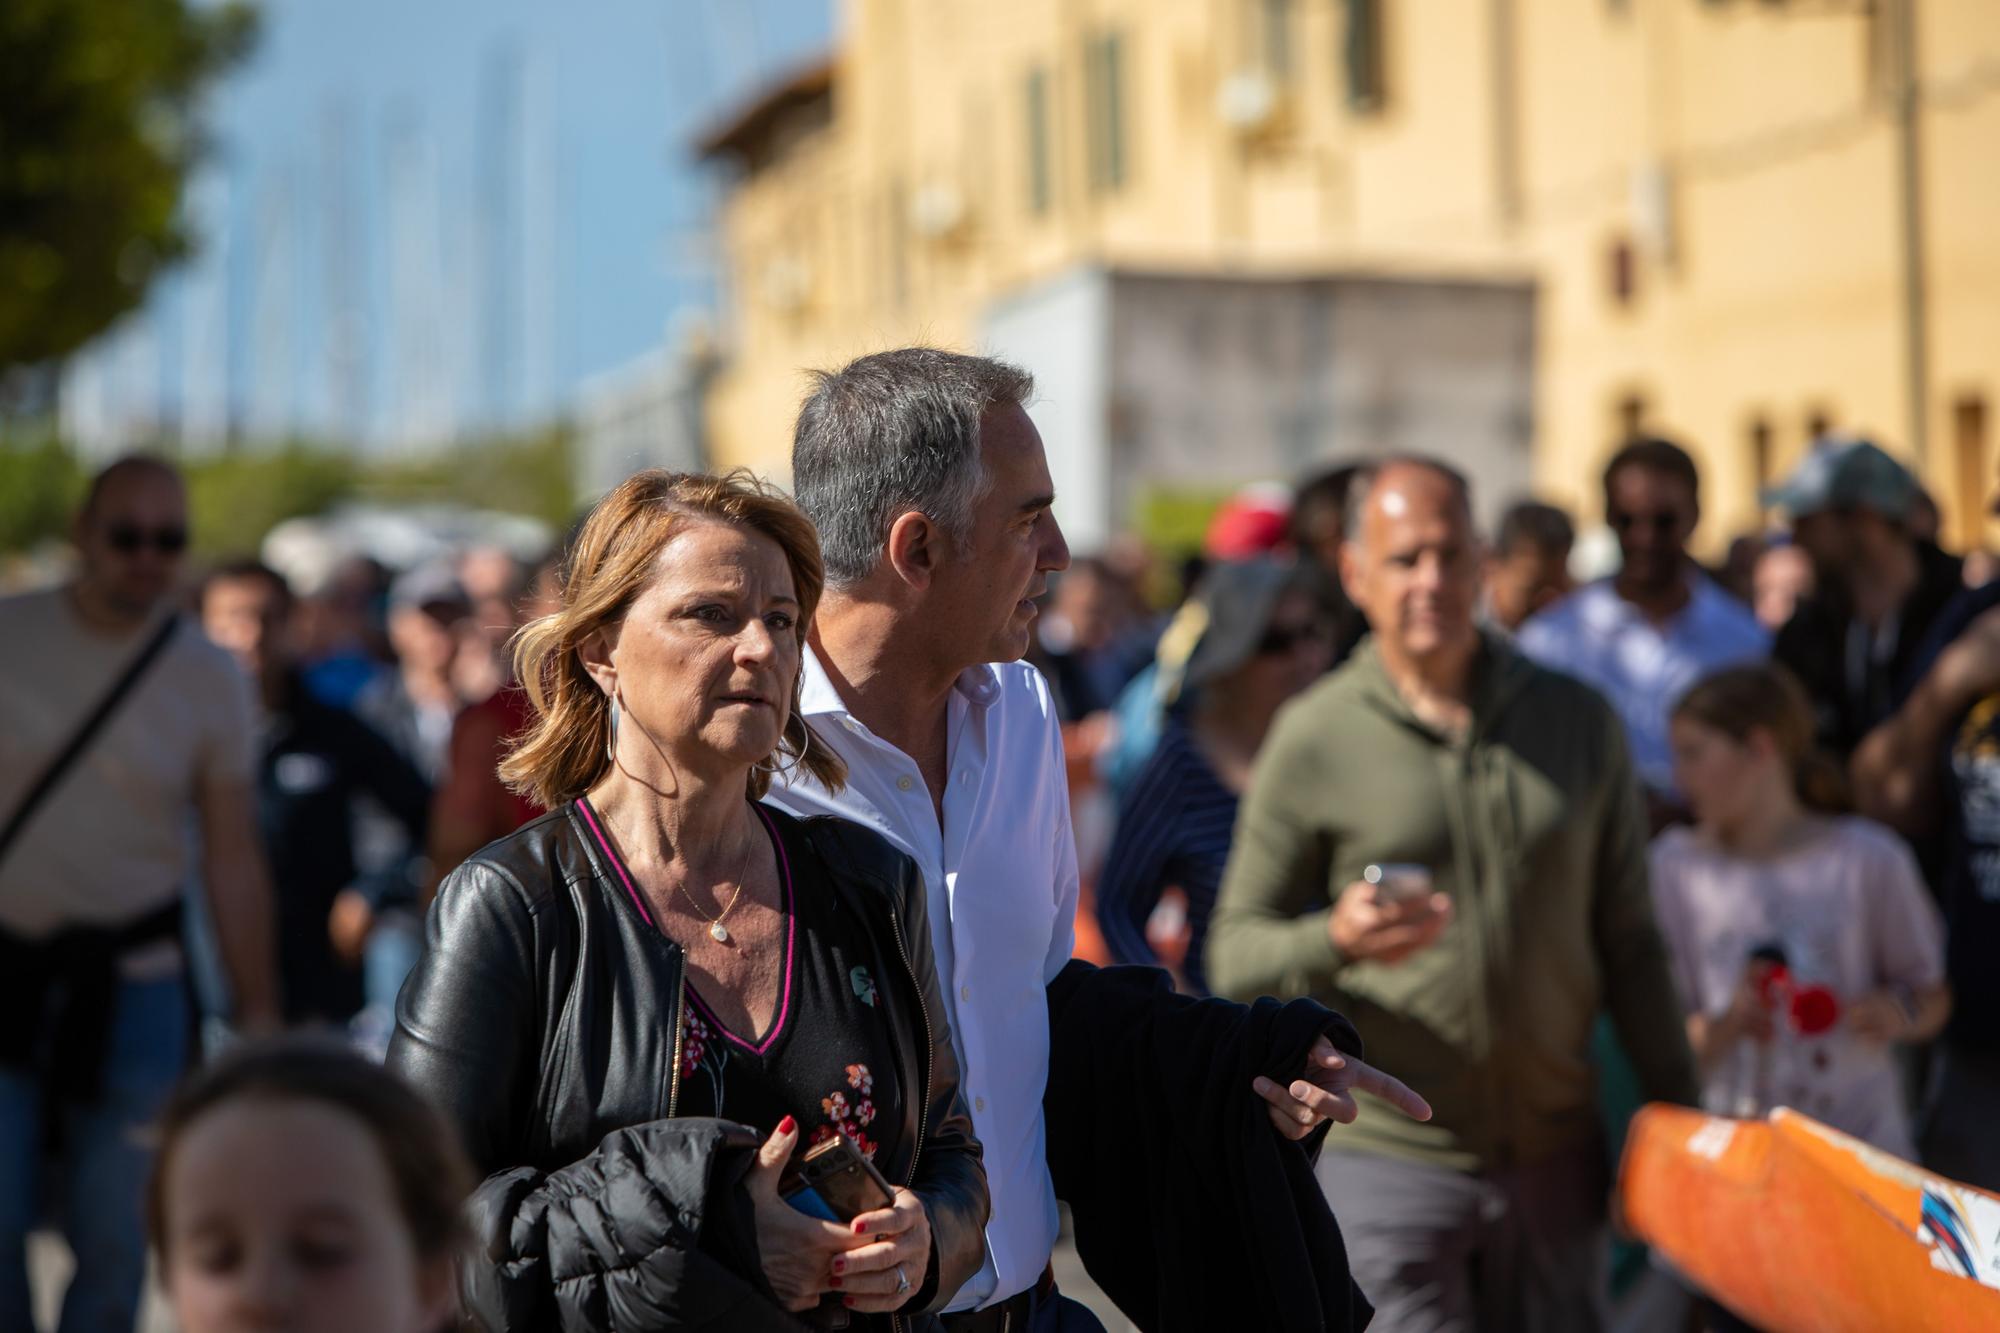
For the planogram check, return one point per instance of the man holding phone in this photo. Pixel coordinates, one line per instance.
(1445, 841)
(933, 500)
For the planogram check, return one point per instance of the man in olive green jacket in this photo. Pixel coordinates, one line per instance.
(1440, 746)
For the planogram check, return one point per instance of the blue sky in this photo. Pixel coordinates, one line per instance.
(383, 112)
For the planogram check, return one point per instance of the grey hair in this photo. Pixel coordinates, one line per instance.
(889, 433)
(1363, 484)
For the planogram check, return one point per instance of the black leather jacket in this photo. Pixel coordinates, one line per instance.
(546, 1016)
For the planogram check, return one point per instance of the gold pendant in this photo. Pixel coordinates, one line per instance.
(719, 933)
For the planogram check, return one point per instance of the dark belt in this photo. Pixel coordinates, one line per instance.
(59, 995)
(1008, 1316)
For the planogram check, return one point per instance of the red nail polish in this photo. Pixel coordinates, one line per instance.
(787, 1125)
(840, 1265)
(860, 1228)
(833, 1281)
(847, 1301)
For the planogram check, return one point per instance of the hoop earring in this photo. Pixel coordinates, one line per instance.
(611, 736)
(787, 771)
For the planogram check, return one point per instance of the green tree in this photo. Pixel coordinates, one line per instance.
(100, 124)
(41, 484)
(234, 500)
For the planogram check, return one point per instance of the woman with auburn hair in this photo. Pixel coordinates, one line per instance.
(644, 1007)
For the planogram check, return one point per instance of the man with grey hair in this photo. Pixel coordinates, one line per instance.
(935, 509)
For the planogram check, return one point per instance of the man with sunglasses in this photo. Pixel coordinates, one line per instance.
(1647, 633)
(93, 857)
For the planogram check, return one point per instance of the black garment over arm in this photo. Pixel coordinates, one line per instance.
(1192, 1212)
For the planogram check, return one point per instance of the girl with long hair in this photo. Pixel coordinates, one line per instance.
(1803, 939)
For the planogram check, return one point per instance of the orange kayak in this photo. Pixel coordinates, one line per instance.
(1799, 1228)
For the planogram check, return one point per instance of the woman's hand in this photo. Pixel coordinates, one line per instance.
(797, 1250)
(890, 1263)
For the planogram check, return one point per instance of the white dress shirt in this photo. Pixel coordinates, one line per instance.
(1644, 668)
(1001, 883)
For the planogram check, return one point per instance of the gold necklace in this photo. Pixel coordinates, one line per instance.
(716, 930)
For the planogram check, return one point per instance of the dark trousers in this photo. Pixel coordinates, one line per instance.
(1047, 1312)
(1440, 1251)
(1057, 1313)
(1958, 1137)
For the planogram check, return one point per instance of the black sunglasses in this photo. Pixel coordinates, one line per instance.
(1283, 638)
(130, 539)
(1663, 520)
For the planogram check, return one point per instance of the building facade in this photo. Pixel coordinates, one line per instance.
(1744, 222)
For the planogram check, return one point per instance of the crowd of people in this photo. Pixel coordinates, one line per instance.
(706, 914)
(1436, 840)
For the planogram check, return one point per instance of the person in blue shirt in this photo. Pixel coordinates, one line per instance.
(1645, 635)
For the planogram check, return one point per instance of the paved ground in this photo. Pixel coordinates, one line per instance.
(48, 1272)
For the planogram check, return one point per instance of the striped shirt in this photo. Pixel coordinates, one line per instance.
(1174, 827)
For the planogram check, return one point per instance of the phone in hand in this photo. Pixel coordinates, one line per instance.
(835, 1183)
(1397, 883)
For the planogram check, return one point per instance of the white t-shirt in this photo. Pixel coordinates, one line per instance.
(115, 840)
(1851, 913)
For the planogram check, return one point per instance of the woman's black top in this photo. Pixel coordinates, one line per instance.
(546, 1019)
(828, 1057)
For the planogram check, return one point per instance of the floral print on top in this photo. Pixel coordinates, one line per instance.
(850, 1115)
(828, 1058)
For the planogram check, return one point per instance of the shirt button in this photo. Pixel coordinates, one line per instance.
(979, 1103)
(965, 992)
(904, 784)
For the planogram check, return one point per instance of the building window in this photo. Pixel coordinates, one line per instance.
(1276, 37)
(1629, 414)
(1104, 111)
(1760, 458)
(1040, 184)
(1362, 56)
(1621, 277)
(1976, 482)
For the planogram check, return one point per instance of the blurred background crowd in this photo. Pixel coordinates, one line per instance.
(1698, 295)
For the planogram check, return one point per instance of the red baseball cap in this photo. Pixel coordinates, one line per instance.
(1250, 523)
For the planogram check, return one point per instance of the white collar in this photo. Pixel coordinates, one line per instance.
(819, 697)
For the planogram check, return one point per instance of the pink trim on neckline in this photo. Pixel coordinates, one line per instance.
(791, 925)
(617, 864)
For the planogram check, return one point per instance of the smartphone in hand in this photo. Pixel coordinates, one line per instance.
(835, 1183)
(1397, 883)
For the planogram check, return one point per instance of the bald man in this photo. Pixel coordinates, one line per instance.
(91, 876)
(1445, 841)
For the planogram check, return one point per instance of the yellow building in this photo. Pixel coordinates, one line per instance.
(1742, 221)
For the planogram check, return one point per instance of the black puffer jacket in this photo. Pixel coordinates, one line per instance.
(545, 1019)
